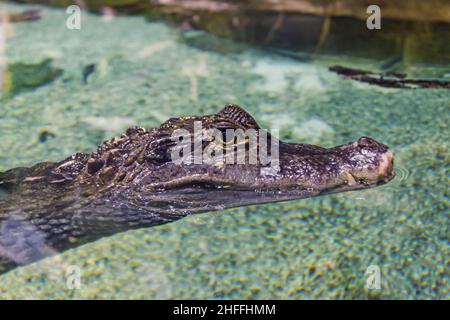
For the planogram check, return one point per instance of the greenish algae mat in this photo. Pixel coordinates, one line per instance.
(314, 248)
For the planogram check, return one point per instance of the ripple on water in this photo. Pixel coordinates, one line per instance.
(402, 174)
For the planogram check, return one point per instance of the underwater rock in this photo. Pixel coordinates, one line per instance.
(424, 47)
(21, 76)
(89, 4)
(301, 35)
(413, 10)
(302, 28)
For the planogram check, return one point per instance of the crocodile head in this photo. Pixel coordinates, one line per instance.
(205, 163)
(155, 176)
(192, 161)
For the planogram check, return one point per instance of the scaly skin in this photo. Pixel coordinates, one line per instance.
(130, 182)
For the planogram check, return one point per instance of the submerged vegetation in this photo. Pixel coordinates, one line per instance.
(26, 76)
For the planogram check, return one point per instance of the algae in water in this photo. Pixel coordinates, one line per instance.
(21, 76)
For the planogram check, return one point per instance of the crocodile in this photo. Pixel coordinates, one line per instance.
(131, 182)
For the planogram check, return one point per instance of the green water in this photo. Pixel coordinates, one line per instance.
(313, 248)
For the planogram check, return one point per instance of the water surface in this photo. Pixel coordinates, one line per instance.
(313, 248)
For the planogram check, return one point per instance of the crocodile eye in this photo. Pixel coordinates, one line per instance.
(366, 142)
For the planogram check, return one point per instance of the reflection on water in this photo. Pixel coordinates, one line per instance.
(21, 242)
(313, 248)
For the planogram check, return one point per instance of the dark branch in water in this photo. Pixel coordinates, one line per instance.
(27, 15)
(388, 80)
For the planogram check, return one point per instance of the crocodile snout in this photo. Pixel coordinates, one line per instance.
(386, 168)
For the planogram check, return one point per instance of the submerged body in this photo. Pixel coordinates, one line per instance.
(133, 182)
